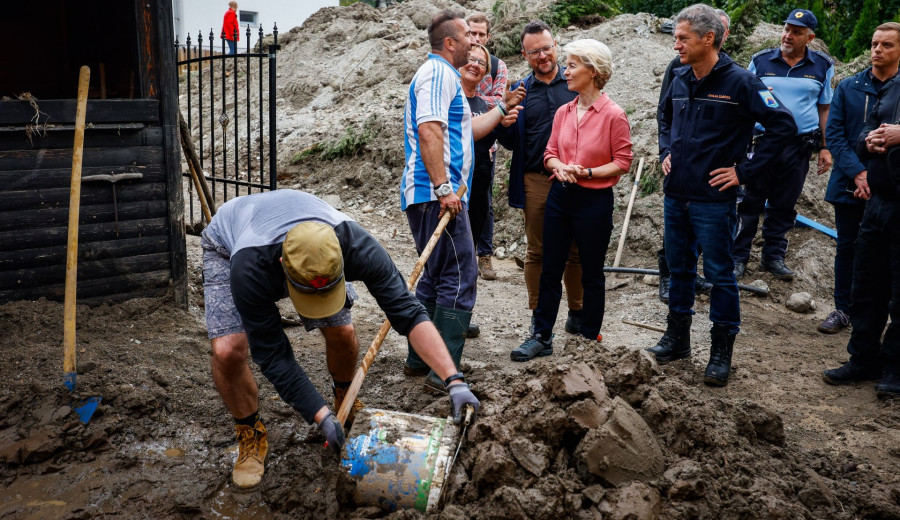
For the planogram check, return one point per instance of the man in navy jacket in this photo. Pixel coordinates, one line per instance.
(705, 125)
(853, 101)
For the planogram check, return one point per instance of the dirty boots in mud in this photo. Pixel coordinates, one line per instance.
(253, 445)
(340, 391)
(676, 342)
(719, 367)
(414, 366)
(452, 324)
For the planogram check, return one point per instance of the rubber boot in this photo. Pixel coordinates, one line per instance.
(719, 367)
(676, 342)
(414, 366)
(663, 276)
(452, 324)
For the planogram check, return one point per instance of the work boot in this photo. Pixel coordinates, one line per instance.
(835, 321)
(739, 269)
(473, 331)
(414, 366)
(719, 367)
(533, 347)
(573, 322)
(676, 342)
(253, 445)
(664, 276)
(777, 268)
(889, 386)
(340, 391)
(452, 324)
(485, 269)
(852, 372)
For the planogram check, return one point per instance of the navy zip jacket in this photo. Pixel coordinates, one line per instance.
(853, 101)
(708, 124)
(886, 110)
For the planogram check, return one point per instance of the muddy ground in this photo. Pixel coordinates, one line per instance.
(776, 443)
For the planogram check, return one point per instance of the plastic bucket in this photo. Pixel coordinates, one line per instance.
(396, 460)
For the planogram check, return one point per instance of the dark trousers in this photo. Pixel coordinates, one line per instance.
(585, 216)
(847, 218)
(708, 225)
(481, 212)
(876, 285)
(451, 272)
(781, 187)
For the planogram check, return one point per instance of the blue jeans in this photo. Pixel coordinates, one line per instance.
(232, 46)
(711, 226)
(585, 216)
(847, 218)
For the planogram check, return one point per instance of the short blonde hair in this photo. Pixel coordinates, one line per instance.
(595, 55)
(487, 57)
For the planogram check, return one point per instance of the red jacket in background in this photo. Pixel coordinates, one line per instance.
(230, 26)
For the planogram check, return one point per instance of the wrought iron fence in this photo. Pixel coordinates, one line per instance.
(233, 144)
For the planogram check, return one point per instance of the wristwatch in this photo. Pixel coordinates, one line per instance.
(443, 190)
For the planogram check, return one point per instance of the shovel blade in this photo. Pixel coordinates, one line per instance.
(85, 409)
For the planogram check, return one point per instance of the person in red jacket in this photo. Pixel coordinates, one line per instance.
(230, 29)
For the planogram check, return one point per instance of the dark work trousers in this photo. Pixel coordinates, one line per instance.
(846, 219)
(876, 286)
(481, 214)
(780, 186)
(450, 274)
(585, 215)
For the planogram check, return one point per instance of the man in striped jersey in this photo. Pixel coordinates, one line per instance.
(438, 142)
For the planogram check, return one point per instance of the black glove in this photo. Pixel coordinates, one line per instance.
(460, 397)
(333, 432)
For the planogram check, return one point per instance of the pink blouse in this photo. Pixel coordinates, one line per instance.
(601, 137)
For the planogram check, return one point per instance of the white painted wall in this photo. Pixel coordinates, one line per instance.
(192, 16)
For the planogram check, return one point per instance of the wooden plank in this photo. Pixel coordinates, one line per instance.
(62, 158)
(139, 282)
(90, 270)
(38, 220)
(62, 111)
(106, 138)
(91, 193)
(60, 177)
(87, 251)
(24, 237)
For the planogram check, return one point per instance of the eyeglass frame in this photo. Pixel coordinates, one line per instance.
(306, 289)
(479, 62)
(534, 53)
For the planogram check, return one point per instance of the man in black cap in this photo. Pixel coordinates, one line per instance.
(801, 78)
(264, 247)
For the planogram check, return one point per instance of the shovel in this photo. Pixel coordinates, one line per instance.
(391, 459)
(85, 408)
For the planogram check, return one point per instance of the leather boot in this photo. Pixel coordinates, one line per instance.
(452, 324)
(414, 366)
(664, 276)
(719, 367)
(676, 342)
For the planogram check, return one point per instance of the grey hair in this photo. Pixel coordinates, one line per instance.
(723, 14)
(595, 55)
(703, 19)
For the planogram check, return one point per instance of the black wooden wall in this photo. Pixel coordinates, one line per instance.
(141, 255)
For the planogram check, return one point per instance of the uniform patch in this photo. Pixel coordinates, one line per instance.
(768, 99)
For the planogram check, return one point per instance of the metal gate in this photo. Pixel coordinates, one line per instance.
(234, 141)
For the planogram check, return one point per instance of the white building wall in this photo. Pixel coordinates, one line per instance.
(192, 16)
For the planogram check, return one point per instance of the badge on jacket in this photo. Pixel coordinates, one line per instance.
(768, 99)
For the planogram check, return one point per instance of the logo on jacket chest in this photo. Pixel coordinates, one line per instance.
(719, 96)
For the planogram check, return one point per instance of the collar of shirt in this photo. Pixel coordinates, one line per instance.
(441, 58)
(598, 103)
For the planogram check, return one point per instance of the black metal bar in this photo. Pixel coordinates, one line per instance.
(234, 70)
(212, 115)
(635, 270)
(247, 83)
(200, 94)
(187, 47)
(273, 147)
(223, 120)
(262, 164)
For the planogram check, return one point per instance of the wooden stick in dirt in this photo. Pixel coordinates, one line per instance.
(84, 80)
(643, 325)
(634, 188)
(190, 154)
(369, 358)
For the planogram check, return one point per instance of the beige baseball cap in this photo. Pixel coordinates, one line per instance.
(314, 267)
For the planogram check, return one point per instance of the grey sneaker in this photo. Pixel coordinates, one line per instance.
(533, 347)
(739, 269)
(835, 321)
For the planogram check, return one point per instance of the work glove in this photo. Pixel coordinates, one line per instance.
(460, 397)
(333, 432)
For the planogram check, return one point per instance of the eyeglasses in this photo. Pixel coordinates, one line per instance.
(537, 52)
(306, 289)
(479, 62)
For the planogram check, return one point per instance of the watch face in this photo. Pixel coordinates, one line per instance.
(443, 190)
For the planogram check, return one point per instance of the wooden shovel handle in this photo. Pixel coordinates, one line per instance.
(637, 180)
(369, 358)
(84, 80)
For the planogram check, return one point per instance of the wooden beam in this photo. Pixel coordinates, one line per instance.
(62, 111)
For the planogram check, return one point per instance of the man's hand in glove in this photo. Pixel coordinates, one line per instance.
(333, 432)
(460, 397)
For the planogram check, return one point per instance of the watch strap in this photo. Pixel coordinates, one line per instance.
(454, 377)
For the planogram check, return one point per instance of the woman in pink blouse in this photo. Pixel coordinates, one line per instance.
(589, 149)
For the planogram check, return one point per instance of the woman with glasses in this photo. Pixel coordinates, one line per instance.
(589, 149)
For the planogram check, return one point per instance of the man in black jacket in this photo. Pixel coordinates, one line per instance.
(704, 164)
(877, 253)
